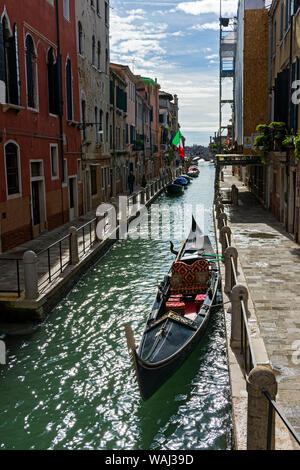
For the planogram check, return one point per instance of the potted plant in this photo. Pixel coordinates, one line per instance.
(278, 130)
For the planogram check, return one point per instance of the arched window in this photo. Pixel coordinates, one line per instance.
(80, 38)
(9, 63)
(12, 169)
(69, 91)
(52, 83)
(30, 72)
(93, 50)
(99, 56)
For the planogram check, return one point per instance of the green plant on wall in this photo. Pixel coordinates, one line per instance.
(297, 147)
(263, 142)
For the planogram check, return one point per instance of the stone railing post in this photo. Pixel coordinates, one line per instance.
(234, 195)
(142, 197)
(147, 193)
(98, 220)
(260, 379)
(222, 220)
(74, 255)
(229, 277)
(219, 209)
(30, 261)
(238, 292)
(223, 238)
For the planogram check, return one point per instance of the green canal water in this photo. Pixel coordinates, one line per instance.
(71, 385)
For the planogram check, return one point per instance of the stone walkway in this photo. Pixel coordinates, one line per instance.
(271, 264)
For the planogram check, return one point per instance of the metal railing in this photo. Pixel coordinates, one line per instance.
(86, 237)
(53, 260)
(273, 407)
(5, 264)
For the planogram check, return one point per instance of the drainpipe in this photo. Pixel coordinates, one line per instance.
(289, 123)
(60, 112)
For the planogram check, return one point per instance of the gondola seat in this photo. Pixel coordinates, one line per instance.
(178, 307)
(200, 299)
(190, 279)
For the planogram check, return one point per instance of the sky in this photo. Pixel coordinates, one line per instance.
(178, 43)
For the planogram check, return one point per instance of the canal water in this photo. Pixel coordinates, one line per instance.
(71, 385)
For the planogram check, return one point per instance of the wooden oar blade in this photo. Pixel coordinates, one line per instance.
(130, 338)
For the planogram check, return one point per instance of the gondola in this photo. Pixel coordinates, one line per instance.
(181, 180)
(174, 189)
(180, 314)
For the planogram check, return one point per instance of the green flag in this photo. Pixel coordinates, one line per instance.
(177, 139)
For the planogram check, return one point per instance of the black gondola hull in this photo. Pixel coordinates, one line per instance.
(151, 377)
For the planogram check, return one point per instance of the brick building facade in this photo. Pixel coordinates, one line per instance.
(40, 145)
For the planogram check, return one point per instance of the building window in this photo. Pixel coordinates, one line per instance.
(281, 20)
(52, 84)
(106, 61)
(106, 13)
(9, 63)
(107, 127)
(93, 51)
(101, 125)
(66, 8)
(94, 189)
(96, 124)
(54, 161)
(99, 55)
(83, 117)
(80, 38)
(69, 91)
(30, 72)
(12, 169)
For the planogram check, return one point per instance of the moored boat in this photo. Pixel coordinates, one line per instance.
(180, 313)
(174, 189)
(180, 180)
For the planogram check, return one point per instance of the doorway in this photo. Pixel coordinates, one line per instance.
(73, 198)
(38, 206)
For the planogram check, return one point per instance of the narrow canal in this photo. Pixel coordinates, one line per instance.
(71, 385)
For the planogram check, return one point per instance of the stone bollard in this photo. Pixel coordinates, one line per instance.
(222, 220)
(98, 221)
(147, 193)
(74, 256)
(219, 209)
(234, 195)
(229, 277)
(238, 292)
(30, 261)
(143, 197)
(223, 239)
(260, 379)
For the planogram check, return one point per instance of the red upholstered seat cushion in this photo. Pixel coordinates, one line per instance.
(191, 289)
(189, 279)
(200, 299)
(175, 305)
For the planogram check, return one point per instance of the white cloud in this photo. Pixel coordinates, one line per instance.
(229, 7)
(213, 26)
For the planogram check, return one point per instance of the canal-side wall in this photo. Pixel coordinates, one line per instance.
(34, 304)
(248, 414)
